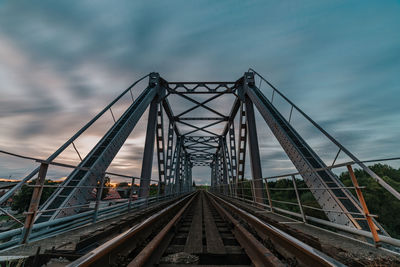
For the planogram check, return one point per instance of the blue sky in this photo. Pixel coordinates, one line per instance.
(62, 61)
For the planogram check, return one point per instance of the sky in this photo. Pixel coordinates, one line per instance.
(61, 62)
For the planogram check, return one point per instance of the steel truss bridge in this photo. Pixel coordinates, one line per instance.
(186, 138)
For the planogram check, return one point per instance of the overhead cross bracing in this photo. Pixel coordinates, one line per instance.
(196, 130)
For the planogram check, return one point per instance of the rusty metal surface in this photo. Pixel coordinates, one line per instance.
(146, 253)
(124, 241)
(303, 253)
(258, 253)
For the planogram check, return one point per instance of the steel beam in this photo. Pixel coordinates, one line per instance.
(170, 114)
(232, 145)
(147, 162)
(255, 161)
(227, 160)
(70, 141)
(241, 150)
(195, 87)
(178, 168)
(225, 175)
(161, 149)
(169, 162)
(339, 204)
(98, 160)
(34, 204)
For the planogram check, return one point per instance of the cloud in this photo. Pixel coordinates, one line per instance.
(60, 63)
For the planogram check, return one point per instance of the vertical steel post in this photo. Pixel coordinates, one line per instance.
(228, 165)
(181, 171)
(187, 172)
(184, 180)
(232, 144)
(190, 176)
(253, 192)
(255, 161)
(169, 161)
(360, 196)
(224, 166)
(98, 198)
(160, 150)
(220, 173)
(213, 173)
(131, 193)
(268, 195)
(178, 164)
(147, 162)
(174, 167)
(35, 200)
(298, 198)
(241, 149)
(217, 173)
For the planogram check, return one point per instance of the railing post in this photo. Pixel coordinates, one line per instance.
(131, 193)
(268, 195)
(253, 192)
(298, 198)
(360, 196)
(35, 200)
(98, 198)
(158, 191)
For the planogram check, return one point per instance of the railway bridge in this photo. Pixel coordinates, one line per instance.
(168, 221)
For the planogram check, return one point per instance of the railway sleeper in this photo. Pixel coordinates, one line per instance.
(286, 247)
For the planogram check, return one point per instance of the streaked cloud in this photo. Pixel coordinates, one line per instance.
(61, 62)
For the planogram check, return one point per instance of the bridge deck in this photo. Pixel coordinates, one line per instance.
(187, 238)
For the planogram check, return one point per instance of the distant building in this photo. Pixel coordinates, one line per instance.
(5, 186)
(112, 194)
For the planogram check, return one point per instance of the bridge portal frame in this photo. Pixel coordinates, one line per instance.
(212, 149)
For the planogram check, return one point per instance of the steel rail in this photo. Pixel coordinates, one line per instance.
(303, 253)
(61, 225)
(120, 242)
(151, 247)
(257, 252)
(384, 239)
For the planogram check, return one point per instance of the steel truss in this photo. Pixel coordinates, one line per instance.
(202, 146)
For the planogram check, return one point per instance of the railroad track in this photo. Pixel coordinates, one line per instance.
(204, 230)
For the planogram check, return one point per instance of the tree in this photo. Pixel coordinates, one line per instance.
(378, 199)
(22, 198)
(153, 190)
(123, 184)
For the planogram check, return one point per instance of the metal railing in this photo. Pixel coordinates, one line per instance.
(340, 147)
(244, 191)
(30, 231)
(87, 213)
